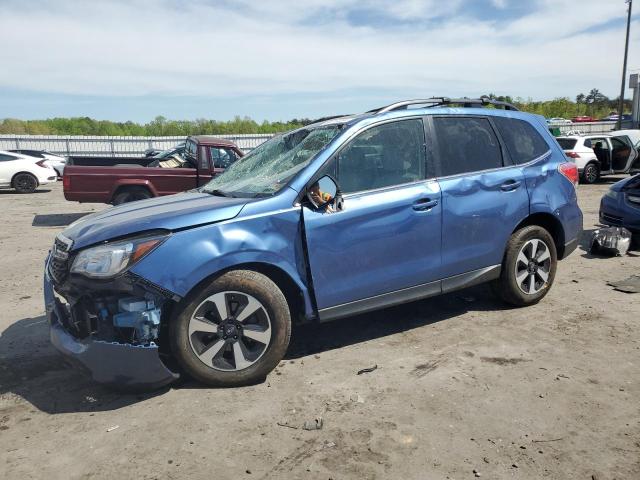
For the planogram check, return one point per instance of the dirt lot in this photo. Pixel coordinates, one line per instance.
(462, 383)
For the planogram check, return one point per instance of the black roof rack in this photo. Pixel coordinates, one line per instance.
(439, 101)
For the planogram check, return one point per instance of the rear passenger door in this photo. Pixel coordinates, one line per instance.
(484, 195)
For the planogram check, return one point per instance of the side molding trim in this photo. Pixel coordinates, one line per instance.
(410, 294)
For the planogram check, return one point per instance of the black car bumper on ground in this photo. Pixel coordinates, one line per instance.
(125, 366)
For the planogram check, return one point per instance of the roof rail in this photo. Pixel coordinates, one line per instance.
(438, 101)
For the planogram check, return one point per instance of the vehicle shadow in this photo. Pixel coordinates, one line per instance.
(11, 191)
(57, 219)
(312, 339)
(33, 370)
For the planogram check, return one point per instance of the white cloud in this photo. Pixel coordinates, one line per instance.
(142, 47)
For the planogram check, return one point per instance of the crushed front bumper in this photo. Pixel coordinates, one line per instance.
(119, 365)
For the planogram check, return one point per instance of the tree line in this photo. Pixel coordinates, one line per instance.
(594, 104)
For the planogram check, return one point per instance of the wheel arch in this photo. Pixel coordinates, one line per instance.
(28, 173)
(298, 304)
(551, 224)
(122, 186)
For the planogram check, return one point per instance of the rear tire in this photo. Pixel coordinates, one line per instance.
(232, 331)
(25, 183)
(590, 173)
(131, 194)
(528, 268)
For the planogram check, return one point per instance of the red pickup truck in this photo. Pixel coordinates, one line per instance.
(204, 157)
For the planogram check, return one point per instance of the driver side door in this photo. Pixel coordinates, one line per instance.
(383, 247)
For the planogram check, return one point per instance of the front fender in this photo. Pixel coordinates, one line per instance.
(189, 257)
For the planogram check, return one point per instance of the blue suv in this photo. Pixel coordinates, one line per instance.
(340, 217)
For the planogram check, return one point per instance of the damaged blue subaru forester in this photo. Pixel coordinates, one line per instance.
(343, 216)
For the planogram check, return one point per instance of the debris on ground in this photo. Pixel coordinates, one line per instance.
(356, 397)
(286, 424)
(629, 285)
(111, 429)
(367, 370)
(610, 241)
(315, 424)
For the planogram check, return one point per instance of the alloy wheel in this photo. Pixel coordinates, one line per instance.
(25, 183)
(533, 266)
(591, 173)
(230, 331)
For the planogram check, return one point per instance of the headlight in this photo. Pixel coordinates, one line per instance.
(108, 260)
(611, 194)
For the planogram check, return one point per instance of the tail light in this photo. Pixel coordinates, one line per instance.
(572, 154)
(570, 171)
(40, 163)
(66, 183)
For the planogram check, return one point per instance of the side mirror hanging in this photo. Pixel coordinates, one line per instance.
(325, 196)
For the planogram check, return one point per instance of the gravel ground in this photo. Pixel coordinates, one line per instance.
(463, 384)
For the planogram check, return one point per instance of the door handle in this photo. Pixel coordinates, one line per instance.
(424, 204)
(510, 185)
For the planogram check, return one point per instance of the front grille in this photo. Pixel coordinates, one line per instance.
(59, 260)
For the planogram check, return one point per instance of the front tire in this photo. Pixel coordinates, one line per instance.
(590, 173)
(25, 183)
(528, 268)
(233, 331)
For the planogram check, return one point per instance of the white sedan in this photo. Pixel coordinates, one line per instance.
(24, 173)
(57, 162)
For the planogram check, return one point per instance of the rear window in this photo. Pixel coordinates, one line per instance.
(567, 143)
(522, 140)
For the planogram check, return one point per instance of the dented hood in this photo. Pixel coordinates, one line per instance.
(173, 212)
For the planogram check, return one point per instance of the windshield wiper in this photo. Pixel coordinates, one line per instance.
(219, 193)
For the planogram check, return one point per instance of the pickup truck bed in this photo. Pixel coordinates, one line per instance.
(208, 157)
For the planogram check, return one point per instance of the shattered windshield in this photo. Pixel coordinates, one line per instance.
(268, 168)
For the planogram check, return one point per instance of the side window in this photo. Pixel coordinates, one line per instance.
(466, 144)
(222, 157)
(382, 156)
(599, 144)
(587, 143)
(522, 140)
(6, 158)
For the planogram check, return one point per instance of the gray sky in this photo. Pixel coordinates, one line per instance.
(184, 59)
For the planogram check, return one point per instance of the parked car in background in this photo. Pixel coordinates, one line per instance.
(55, 161)
(333, 219)
(613, 117)
(24, 173)
(583, 118)
(620, 206)
(173, 171)
(558, 121)
(599, 154)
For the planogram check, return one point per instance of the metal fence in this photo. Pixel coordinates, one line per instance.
(111, 146)
(132, 146)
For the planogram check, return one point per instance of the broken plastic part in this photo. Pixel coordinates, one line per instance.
(610, 241)
(139, 314)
